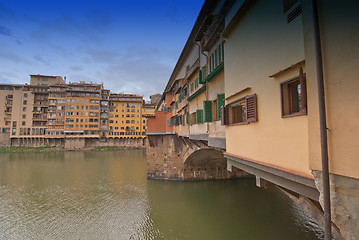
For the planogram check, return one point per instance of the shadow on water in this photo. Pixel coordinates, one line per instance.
(228, 209)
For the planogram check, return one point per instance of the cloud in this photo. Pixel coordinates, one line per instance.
(144, 76)
(86, 28)
(40, 59)
(13, 57)
(8, 77)
(103, 56)
(5, 31)
(76, 68)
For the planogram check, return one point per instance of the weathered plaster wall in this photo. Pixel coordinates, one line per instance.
(344, 198)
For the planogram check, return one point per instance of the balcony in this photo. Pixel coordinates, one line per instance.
(41, 104)
(37, 124)
(9, 97)
(7, 112)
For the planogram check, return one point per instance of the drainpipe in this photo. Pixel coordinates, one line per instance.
(323, 121)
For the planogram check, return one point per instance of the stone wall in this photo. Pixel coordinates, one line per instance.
(73, 143)
(5, 140)
(171, 157)
(37, 142)
(122, 142)
(344, 200)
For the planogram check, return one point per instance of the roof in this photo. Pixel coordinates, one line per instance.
(124, 95)
(38, 75)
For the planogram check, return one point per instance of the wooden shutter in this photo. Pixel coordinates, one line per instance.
(190, 119)
(251, 102)
(224, 114)
(220, 103)
(207, 110)
(199, 116)
(303, 89)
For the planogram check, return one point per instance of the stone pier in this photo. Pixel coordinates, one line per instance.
(172, 157)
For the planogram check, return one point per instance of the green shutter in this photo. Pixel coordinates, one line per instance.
(190, 119)
(200, 76)
(199, 115)
(220, 103)
(207, 110)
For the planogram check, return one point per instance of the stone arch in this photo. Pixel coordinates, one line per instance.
(205, 163)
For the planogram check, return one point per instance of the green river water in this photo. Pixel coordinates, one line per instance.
(105, 195)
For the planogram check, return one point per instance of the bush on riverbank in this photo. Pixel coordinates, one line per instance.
(22, 148)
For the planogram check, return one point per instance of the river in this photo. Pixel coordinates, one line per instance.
(105, 195)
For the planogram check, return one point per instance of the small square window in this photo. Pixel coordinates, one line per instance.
(293, 96)
(242, 111)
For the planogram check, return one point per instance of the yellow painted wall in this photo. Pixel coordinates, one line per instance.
(260, 45)
(340, 61)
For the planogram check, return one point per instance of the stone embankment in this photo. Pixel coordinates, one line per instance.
(65, 144)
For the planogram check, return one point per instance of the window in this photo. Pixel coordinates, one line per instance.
(25, 95)
(293, 96)
(24, 109)
(241, 111)
(24, 102)
(24, 116)
(196, 83)
(216, 58)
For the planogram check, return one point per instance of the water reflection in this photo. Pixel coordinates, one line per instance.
(105, 195)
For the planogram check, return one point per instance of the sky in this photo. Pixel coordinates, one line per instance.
(130, 46)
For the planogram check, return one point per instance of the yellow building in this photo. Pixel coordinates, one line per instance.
(261, 60)
(82, 110)
(272, 109)
(125, 116)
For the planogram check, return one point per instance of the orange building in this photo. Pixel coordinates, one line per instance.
(125, 116)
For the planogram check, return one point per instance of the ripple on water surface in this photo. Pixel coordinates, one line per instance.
(105, 195)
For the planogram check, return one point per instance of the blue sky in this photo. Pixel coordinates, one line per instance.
(131, 46)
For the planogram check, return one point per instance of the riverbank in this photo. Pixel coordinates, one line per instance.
(62, 148)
